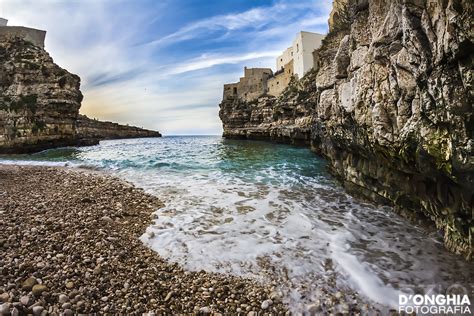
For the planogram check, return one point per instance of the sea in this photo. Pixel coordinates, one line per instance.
(271, 212)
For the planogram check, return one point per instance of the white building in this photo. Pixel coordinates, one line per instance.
(301, 52)
(3, 22)
(284, 58)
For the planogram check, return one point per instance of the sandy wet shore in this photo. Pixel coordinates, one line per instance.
(69, 244)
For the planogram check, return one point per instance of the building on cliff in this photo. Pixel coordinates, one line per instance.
(34, 36)
(301, 53)
(252, 85)
(295, 61)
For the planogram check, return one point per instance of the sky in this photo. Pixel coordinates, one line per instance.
(162, 64)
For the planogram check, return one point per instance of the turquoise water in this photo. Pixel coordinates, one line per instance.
(270, 212)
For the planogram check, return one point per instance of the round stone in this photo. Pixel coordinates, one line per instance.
(69, 285)
(314, 308)
(4, 297)
(66, 306)
(25, 300)
(37, 310)
(38, 289)
(5, 309)
(266, 304)
(63, 298)
(28, 284)
(68, 312)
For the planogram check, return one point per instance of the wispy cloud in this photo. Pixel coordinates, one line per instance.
(210, 60)
(255, 18)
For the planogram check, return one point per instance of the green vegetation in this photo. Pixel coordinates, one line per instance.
(45, 71)
(26, 102)
(438, 145)
(32, 66)
(62, 81)
(38, 126)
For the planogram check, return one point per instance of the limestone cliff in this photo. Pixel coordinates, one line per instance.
(88, 130)
(286, 119)
(390, 107)
(40, 101)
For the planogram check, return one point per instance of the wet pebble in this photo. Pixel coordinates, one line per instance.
(81, 256)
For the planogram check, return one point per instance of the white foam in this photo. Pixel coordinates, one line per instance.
(37, 163)
(362, 276)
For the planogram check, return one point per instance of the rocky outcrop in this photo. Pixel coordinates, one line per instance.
(391, 109)
(90, 130)
(40, 101)
(287, 118)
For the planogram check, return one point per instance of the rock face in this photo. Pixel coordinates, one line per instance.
(89, 130)
(390, 107)
(287, 118)
(40, 101)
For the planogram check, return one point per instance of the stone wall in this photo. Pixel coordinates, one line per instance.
(390, 107)
(280, 80)
(34, 36)
(251, 86)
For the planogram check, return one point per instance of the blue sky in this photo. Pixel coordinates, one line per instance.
(162, 64)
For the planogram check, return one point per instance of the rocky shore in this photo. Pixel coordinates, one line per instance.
(91, 130)
(70, 244)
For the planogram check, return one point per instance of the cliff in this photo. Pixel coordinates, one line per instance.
(40, 102)
(89, 130)
(286, 119)
(389, 104)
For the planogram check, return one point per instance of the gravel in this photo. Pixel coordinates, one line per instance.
(69, 245)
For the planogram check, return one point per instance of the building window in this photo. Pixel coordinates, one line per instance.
(297, 48)
(235, 90)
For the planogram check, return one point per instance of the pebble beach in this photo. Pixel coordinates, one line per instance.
(70, 244)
